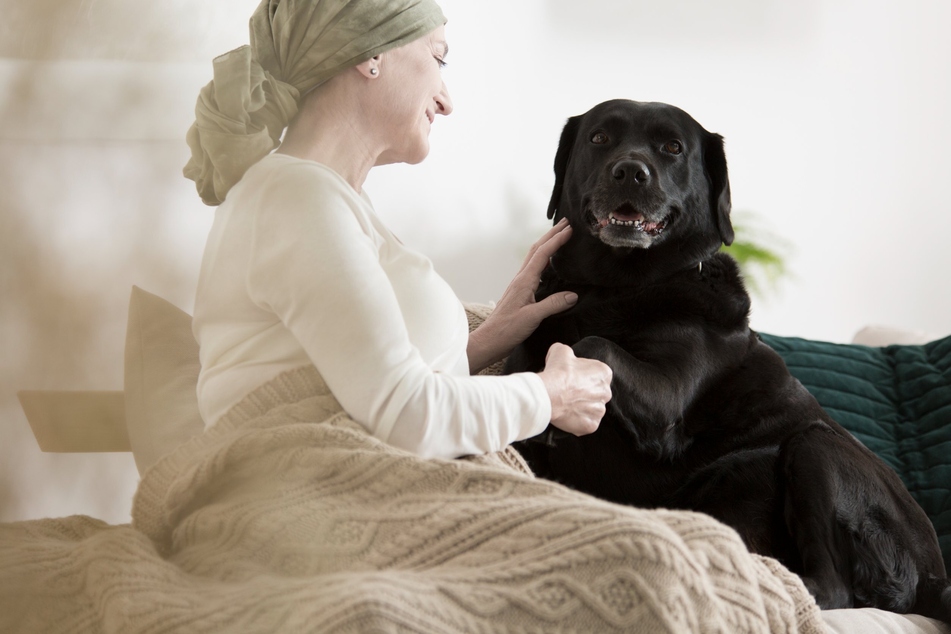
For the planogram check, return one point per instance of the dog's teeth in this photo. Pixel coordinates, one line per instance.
(621, 223)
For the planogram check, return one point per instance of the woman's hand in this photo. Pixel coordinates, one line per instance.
(579, 389)
(517, 314)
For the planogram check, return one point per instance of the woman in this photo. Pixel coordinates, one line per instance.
(299, 270)
(269, 522)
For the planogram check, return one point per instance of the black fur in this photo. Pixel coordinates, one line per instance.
(704, 416)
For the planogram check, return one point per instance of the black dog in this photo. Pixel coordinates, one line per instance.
(704, 416)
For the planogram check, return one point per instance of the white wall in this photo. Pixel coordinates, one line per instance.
(833, 113)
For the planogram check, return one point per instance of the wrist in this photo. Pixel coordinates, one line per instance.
(554, 394)
(479, 351)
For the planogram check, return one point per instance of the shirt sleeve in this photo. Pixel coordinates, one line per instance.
(317, 267)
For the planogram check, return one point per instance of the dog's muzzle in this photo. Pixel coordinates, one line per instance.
(625, 225)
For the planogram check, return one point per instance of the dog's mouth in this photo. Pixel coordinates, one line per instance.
(626, 217)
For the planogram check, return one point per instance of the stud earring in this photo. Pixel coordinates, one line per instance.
(374, 71)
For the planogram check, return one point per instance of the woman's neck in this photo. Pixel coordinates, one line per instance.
(334, 135)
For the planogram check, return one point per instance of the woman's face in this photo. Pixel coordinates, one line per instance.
(412, 94)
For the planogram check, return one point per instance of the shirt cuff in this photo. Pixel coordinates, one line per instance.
(538, 422)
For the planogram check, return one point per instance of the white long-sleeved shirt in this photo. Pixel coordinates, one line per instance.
(299, 270)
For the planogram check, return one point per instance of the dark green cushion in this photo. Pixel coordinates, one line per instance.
(897, 401)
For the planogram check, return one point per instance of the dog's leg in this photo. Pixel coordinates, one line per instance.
(648, 400)
(740, 490)
(810, 501)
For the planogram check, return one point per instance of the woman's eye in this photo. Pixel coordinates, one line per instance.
(673, 147)
(442, 63)
(599, 138)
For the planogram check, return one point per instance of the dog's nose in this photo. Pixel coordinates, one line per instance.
(632, 170)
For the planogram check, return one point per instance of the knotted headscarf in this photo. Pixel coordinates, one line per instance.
(296, 45)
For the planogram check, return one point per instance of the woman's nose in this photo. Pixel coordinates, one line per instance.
(443, 101)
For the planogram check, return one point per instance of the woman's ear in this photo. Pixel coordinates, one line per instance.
(370, 68)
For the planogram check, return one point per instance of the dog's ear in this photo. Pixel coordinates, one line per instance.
(567, 142)
(714, 164)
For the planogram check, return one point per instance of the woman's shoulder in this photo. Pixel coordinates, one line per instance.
(295, 186)
(284, 170)
(288, 195)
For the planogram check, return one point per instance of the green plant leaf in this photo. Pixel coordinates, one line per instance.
(760, 253)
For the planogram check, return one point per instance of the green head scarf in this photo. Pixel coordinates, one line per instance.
(296, 45)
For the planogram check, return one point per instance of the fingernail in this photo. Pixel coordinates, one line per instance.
(562, 221)
(571, 298)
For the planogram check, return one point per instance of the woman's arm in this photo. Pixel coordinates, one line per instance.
(317, 266)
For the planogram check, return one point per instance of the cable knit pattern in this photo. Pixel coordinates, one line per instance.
(288, 516)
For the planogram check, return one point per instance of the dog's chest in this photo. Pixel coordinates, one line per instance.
(627, 316)
(647, 315)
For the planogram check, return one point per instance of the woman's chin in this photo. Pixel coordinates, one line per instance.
(418, 159)
(410, 156)
(417, 154)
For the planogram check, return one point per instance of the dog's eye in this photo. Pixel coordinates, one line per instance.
(599, 138)
(673, 147)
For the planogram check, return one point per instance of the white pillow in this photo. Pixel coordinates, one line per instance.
(879, 336)
(161, 377)
(874, 621)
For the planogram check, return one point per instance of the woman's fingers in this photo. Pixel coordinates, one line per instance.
(544, 243)
(517, 314)
(558, 226)
(579, 389)
(553, 304)
(531, 272)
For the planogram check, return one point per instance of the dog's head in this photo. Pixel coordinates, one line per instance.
(643, 176)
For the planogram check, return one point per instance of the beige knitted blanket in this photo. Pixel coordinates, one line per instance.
(288, 517)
